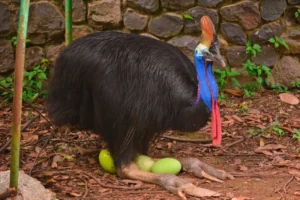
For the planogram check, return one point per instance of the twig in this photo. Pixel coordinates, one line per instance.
(6, 145)
(74, 141)
(86, 188)
(112, 186)
(287, 183)
(234, 143)
(203, 141)
(36, 109)
(50, 136)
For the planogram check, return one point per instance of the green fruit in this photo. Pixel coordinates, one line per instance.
(166, 166)
(106, 161)
(144, 163)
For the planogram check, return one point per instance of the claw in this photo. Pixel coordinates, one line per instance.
(201, 169)
(180, 186)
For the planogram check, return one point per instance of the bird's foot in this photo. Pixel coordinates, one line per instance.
(203, 170)
(181, 187)
(171, 182)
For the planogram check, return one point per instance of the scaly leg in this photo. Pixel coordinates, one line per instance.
(203, 170)
(171, 182)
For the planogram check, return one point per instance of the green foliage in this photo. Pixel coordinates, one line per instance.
(222, 77)
(187, 16)
(249, 89)
(252, 48)
(32, 84)
(278, 41)
(296, 84)
(275, 128)
(14, 40)
(296, 134)
(277, 88)
(297, 13)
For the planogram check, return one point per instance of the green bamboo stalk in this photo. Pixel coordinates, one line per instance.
(68, 20)
(17, 99)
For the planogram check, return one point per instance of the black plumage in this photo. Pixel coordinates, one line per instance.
(126, 87)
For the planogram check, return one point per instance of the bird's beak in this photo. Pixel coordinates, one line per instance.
(210, 40)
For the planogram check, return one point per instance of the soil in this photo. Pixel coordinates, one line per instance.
(264, 157)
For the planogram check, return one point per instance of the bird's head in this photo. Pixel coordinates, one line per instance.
(208, 49)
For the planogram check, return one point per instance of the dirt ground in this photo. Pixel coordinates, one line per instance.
(266, 166)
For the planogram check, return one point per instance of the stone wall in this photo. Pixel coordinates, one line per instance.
(236, 22)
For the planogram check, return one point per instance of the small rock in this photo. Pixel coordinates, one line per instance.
(166, 25)
(289, 98)
(245, 12)
(294, 1)
(234, 33)
(44, 26)
(80, 31)
(271, 10)
(286, 71)
(7, 61)
(104, 14)
(149, 35)
(294, 45)
(177, 4)
(265, 32)
(29, 188)
(193, 26)
(267, 57)
(236, 56)
(186, 41)
(135, 21)
(33, 57)
(209, 3)
(150, 6)
(5, 23)
(293, 34)
(53, 52)
(78, 11)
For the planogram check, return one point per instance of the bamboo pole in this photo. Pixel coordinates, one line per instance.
(17, 99)
(68, 21)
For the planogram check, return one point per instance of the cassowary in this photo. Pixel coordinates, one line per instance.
(130, 88)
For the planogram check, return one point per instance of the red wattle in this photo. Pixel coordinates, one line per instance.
(216, 128)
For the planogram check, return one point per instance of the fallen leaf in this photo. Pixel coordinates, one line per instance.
(237, 161)
(229, 195)
(243, 168)
(261, 142)
(237, 118)
(91, 161)
(169, 144)
(234, 92)
(294, 171)
(74, 194)
(269, 147)
(289, 98)
(253, 111)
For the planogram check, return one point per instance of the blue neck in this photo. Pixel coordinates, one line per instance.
(207, 83)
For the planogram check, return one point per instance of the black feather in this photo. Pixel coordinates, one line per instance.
(127, 88)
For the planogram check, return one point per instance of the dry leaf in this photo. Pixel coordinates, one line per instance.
(234, 92)
(237, 118)
(294, 171)
(261, 142)
(75, 194)
(237, 161)
(169, 144)
(243, 168)
(289, 98)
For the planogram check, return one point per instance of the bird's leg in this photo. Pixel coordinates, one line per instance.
(203, 170)
(171, 182)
